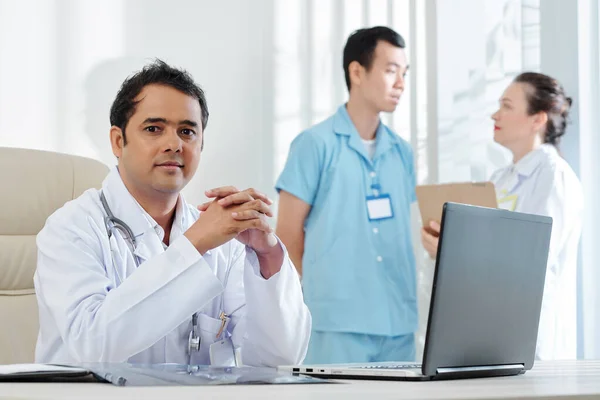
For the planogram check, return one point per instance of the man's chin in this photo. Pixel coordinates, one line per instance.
(389, 108)
(170, 187)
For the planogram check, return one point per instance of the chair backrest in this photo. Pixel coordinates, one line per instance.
(34, 184)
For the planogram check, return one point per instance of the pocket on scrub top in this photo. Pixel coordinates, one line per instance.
(330, 277)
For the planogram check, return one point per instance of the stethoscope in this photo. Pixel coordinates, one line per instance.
(113, 222)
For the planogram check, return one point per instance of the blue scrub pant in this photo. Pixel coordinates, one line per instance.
(342, 347)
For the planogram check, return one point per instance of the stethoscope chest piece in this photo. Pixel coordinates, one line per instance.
(193, 343)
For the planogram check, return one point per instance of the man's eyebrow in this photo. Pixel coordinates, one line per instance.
(397, 65)
(154, 120)
(188, 122)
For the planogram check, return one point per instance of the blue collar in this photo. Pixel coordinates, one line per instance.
(384, 139)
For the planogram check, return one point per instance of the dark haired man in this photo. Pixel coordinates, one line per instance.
(344, 213)
(132, 273)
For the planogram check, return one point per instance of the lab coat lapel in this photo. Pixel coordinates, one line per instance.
(523, 169)
(148, 246)
(512, 181)
(123, 205)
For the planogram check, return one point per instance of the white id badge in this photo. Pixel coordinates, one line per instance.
(379, 207)
(222, 353)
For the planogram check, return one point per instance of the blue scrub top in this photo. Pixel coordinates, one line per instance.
(358, 275)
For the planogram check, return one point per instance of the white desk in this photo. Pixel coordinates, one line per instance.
(556, 380)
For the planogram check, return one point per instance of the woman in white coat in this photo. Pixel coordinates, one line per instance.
(531, 120)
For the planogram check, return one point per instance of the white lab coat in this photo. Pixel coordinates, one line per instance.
(543, 183)
(96, 306)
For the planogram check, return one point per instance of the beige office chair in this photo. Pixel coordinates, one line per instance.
(33, 184)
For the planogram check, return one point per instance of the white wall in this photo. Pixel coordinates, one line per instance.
(481, 47)
(572, 55)
(61, 64)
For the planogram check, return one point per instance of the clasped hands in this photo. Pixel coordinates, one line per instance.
(242, 215)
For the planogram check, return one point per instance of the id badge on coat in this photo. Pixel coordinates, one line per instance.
(379, 207)
(222, 353)
(506, 201)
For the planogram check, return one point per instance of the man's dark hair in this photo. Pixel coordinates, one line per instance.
(160, 73)
(362, 43)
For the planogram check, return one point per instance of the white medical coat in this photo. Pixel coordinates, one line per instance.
(543, 183)
(96, 306)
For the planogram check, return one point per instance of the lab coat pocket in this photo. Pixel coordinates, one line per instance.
(209, 327)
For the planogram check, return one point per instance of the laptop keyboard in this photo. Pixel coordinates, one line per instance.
(390, 366)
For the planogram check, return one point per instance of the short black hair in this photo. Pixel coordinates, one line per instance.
(157, 72)
(361, 45)
(547, 95)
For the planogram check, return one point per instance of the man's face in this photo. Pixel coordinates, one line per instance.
(383, 84)
(164, 140)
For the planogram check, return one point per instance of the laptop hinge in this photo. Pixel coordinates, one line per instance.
(504, 369)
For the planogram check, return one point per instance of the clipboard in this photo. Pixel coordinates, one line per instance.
(45, 373)
(431, 198)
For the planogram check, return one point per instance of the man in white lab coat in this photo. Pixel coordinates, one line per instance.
(132, 273)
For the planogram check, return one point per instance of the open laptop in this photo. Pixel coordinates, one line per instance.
(485, 302)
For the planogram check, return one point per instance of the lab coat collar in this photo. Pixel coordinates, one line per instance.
(148, 233)
(528, 164)
(343, 125)
(151, 242)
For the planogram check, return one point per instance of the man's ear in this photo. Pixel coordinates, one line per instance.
(117, 140)
(355, 72)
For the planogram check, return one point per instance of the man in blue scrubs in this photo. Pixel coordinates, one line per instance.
(344, 214)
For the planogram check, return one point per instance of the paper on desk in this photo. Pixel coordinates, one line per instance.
(179, 374)
(13, 369)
